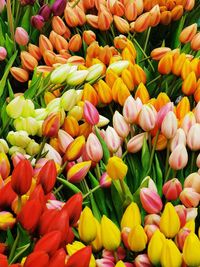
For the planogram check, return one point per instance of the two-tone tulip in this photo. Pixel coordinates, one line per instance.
(150, 200)
(179, 157)
(6, 220)
(90, 113)
(172, 189)
(51, 125)
(78, 172)
(120, 125)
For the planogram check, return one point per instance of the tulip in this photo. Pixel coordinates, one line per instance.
(77, 77)
(94, 148)
(75, 148)
(3, 53)
(166, 17)
(150, 230)
(59, 75)
(130, 110)
(97, 242)
(104, 92)
(159, 52)
(137, 239)
(87, 227)
(29, 125)
(188, 121)
(139, 78)
(195, 43)
(121, 24)
(120, 264)
(78, 172)
(90, 94)
(172, 189)
(19, 74)
(186, 69)
(189, 197)
(28, 61)
(64, 139)
(75, 43)
(105, 180)
(112, 139)
(178, 63)
(89, 37)
(192, 137)
(34, 51)
(152, 219)
(71, 126)
(30, 214)
(131, 216)
(58, 258)
(38, 258)
(15, 107)
(4, 166)
(188, 33)
(6, 220)
(110, 234)
(3, 260)
(90, 113)
(181, 236)
(2, 5)
(155, 247)
(169, 125)
(70, 17)
(45, 219)
(142, 22)
(192, 243)
(7, 195)
(118, 66)
(179, 138)
(45, 12)
(147, 118)
(44, 44)
(120, 125)
(95, 72)
(170, 255)
(193, 181)
(182, 213)
(165, 64)
(51, 125)
(150, 200)
(58, 7)
(189, 84)
(169, 222)
(3, 146)
(178, 158)
(104, 263)
(21, 36)
(135, 143)
(142, 260)
(116, 168)
(84, 254)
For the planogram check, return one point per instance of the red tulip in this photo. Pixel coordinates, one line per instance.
(172, 189)
(30, 214)
(51, 125)
(37, 258)
(58, 259)
(3, 261)
(45, 219)
(15, 265)
(84, 254)
(49, 243)
(22, 177)
(7, 195)
(70, 236)
(47, 176)
(38, 193)
(74, 208)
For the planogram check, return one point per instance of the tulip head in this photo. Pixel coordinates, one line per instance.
(94, 148)
(90, 113)
(6, 220)
(4, 166)
(21, 36)
(131, 216)
(58, 7)
(178, 158)
(170, 255)
(3, 53)
(150, 200)
(120, 125)
(116, 168)
(51, 125)
(78, 172)
(190, 198)
(155, 247)
(172, 189)
(137, 239)
(191, 243)
(193, 181)
(147, 118)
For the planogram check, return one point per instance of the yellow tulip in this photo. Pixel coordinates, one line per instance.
(190, 225)
(191, 250)
(97, 243)
(131, 216)
(110, 234)
(120, 264)
(137, 239)
(170, 255)
(155, 247)
(116, 168)
(169, 222)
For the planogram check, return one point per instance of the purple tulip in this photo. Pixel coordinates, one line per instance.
(58, 7)
(37, 21)
(45, 12)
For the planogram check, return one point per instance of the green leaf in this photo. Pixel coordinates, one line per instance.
(10, 238)
(117, 201)
(9, 44)
(34, 86)
(159, 176)
(178, 27)
(2, 39)
(145, 156)
(136, 195)
(69, 185)
(25, 22)
(11, 93)
(6, 72)
(106, 153)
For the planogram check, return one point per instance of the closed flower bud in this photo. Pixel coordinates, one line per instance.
(29, 125)
(159, 52)
(121, 24)
(139, 78)
(130, 110)
(116, 168)
(69, 99)
(118, 66)
(90, 113)
(75, 43)
(165, 64)
(84, 254)
(188, 33)
(183, 108)
(34, 51)
(192, 243)
(77, 77)
(179, 138)
(172, 189)
(105, 180)
(193, 181)
(64, 139)
(58, 7)
(170, 255)
(195, 43)
(137, 239)
(89, 37)
(189, 84)
(4, 166)
(164, 110)
(51, 125)
(19, 74)
(95, 72)
(104, 263)
(192, 137)
(155, 247)
(94, 148)
(104, 92)
(58, 258)
(39, 258)
(90, 94)
(33, 148)
(147, 118)
(190, 198)
(150, 200)
(3, 146)
(19, 138)
(87, 227)
(169, 222)
(45, 12)
(110, 234)
(179, 157)
(142, 260)
(60, 74)
(120, 125)
(169, 125)
(6, 220)
(78, 172)
(75, 148)
(58, 25)
(37, 22)
(131, 11)
(182, 213)
(44, 44)
(28, 61)
(131, 216)
(21, 36)
(15, 107)
(181, 236)
(142, 22)
(135, 143)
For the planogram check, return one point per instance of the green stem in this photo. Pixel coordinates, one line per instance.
(122, 187)
(12, 252)
(41, 148)
(69, 185)
(154, 80)
(144, 59)
(167, 175)
(149, 139)
(62, 168)
(167, 158)
(91, 191)
(192, 161)
(58, 189)
(124, 154)
(153, 152)
(147, 39)
(10, 21)
(98, 171)
(75, 4)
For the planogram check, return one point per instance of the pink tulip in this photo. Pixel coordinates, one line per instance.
(189, 198)
(172, 189)
(191, 214)
(64, 139)
(104, 263)
(2, 5)
(150, 200)
(130, 110)
(21, 36)
(150, 229)
(193, 181)
(16, 157)
(90, 113)
(94, 148)
(112, 139)
(106, 254)
(142, 260)
(118, 153)
(128, 264)
(52, 154)
(182, 214)
(163, 112)
(169, 125)
(105, 180)
(153, 219)
(54, 205)
(135, 143)
(181, 236)
(3, 53)
(179, 138)
(147, 118)
(38, 166)
(120, 125)
(193, 140)
(178, 158)
(188, 121)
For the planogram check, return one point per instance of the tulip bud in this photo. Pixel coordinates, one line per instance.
(77, 77)
(51, 125)
(3, 53)
(142, 22)
(147, 118)
(15, 107)
(172, 189)
(105, 180)
(112, 139)
(118, 66)
(181, 237)
(188, 33)
(195, 43)
(150, 200)
(94, 148)
(130, 110)
(121, 24)
(169, 222)
(169, 125)
(59, 75)
(179, 138)
(116, 168)
(21, 36)
(3, 146)
(135, 143)
(165, 64)
(19, 74)
(78, 172)
(110, 234)
(6, 220)
(155, 247)
(193, 181)
(142, 260)
(192, 137)
(120, 125)
(90, 113)
(182, 213)
(58, 7)
(69, 99)
(58, 258)
(178, 158)
(4, 166)
(191, 242)
(95, 72)
(22, 177)
(137, 239)
(37, 258)
(37, 22)
(170, 255)
(87, 227)
(189, 197)
(189, 84)
(75, 148)
(105, 263)
(131, 216)
(159, 52)
(28, 61)
(89, 37)
(84, 254)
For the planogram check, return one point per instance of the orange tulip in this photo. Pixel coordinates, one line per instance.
(189, 5)
(104, 92)
(111, 77)
(183, 108)
(90, 94)
(159, 52)
(166, 17)
(165, 64)
(34, 50)
(131, 11)
(58, 25)
(195, 43)
(188, 33)
(71, 126)
(60, 43)
(189, 84)
(93, 50)
(44, 44)
(28, 61)
(142, 22)
(92, 20)
(126, 55)
(177, 12)
(142, 93)
(75, 43)
(51, 125)
(186, 69)
(128, 79)
(161, 142)
(89, 37)
(139, 76)
(71, 17)
(19, 74)
(155, 16)
(121, 24)
(105, 54)
(80, 15)
(178, 64)
(49, 57)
